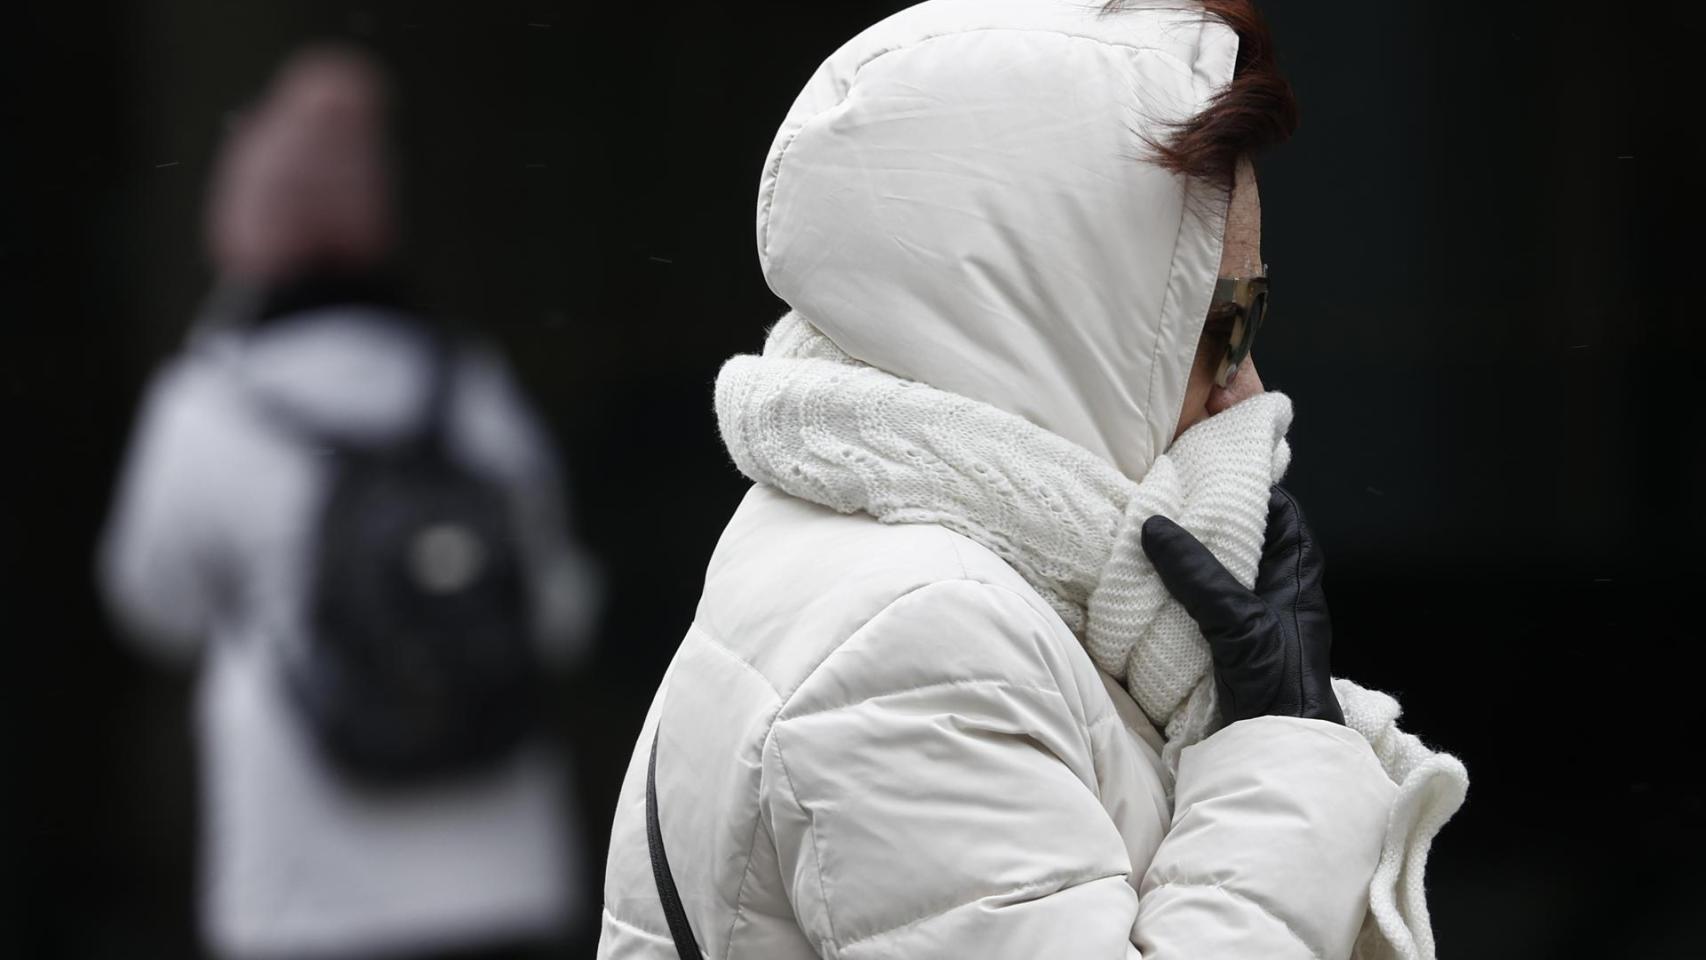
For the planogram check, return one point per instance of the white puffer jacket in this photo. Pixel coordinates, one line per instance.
(879, 740)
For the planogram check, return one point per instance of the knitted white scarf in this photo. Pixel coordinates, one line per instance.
(817, 424)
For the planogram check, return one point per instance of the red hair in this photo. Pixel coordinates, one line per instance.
(1257, 109)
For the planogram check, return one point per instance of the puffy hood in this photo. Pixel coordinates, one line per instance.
(961, 196)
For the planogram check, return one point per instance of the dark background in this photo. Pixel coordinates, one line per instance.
(1484, 239)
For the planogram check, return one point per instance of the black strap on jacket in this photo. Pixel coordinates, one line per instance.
(679, 928)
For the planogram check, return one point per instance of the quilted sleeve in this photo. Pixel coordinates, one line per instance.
(1277, 828)
(931, 791)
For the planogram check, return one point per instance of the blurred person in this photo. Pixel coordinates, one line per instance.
(354, 520)
(1016, 648)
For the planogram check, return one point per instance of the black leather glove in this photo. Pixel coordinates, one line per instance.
(1270, 645)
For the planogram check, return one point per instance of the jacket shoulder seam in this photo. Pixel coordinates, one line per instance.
(716, 643)
(858, 631)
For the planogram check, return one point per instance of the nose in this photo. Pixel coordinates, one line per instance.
(1243, 385)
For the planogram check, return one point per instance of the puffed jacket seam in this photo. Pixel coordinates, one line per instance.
(858, 633)
(1048, 620)
(715, 642)
(1044, 619)
(1246, 898)
(854, 634)
(771, 742)
(916, 688)
(782, 718)
(611, 916)
(1053, 884)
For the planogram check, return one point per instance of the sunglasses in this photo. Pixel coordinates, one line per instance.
(1248, 297)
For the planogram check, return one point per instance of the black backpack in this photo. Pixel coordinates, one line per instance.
(419, 661)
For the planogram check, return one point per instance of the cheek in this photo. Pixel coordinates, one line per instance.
(1197, 391)
(1245, 385)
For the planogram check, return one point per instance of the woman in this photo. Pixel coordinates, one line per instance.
(218, 549)
(936, 700)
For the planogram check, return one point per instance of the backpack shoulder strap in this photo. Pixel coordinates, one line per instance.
(443, 353)
(679, 928)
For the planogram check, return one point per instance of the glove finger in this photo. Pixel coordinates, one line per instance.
(1311, 561)
(1290, 577)
(1283, 510)
(1281, 545)
(1315, 640)
(1221, 606)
